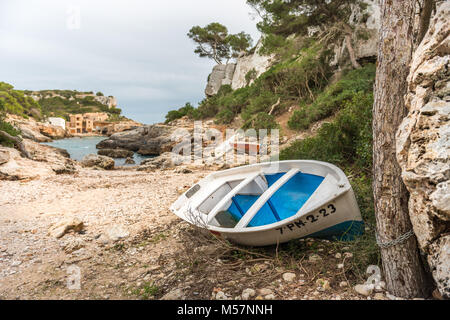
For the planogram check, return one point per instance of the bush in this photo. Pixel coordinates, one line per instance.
(187, 110)
(262, 120)
(346, 140)
(6, 127)
(334, 97)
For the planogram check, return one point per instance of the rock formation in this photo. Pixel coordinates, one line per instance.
(251, 62)
(423, 147)
(43, 161)
(94, 160)
(115, 153)
(366, 24)
(221, 74)
(146, 140)
(364, 39)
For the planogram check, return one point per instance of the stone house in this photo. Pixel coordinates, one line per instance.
(86, 123)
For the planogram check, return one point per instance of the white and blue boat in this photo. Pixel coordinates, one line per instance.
(274, 202)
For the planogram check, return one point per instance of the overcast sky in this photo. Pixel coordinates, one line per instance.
(135, 50)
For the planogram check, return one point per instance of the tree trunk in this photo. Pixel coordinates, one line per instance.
(425, 16)
(404, 273)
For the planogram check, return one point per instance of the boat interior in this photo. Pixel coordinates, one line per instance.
(262, 199)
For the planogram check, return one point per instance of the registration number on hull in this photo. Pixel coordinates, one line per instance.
(309, 219)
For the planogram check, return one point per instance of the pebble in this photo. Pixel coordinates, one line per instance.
(248, 293)
(175, 294)
(380, 286)
(221, 296)
(264, 292)
(338, 255)
(314, 258)
(116, 233)
(343, 284)
(340, 266)
(269, 297)
(289, 276)
(16, 263)
(364, 289)
(379, 296)
(324, 285)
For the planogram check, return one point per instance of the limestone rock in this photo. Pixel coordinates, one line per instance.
(73, 245)
(176, 294)
(364, 289)
(366, 21)
(117, 232)
(222, 74)
(289, 276)
(130, 160)
(59, 229)
(147, 140)
(423, 145)
(93, 160)
(116, 153)
(164, 161)
(251, 62)
(45, 161)
(248, 293)
(4, 156)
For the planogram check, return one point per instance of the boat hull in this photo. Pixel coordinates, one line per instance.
(338, 219)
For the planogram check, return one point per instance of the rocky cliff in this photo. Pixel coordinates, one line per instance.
(366, 23)
(423, 147)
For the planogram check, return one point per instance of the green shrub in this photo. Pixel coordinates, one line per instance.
(6, 127)
(187, 110)
(345, 140)
(334, 97)
(262, 120)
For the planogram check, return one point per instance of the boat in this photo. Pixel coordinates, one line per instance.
(274, 202)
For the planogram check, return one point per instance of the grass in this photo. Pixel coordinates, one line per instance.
(147, 291)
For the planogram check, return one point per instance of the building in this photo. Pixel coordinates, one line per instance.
(57, 122)
(86, 123)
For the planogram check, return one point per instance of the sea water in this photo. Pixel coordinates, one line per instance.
(80, 147)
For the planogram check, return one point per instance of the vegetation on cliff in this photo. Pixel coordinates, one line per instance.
(52, 103)
(16, 102)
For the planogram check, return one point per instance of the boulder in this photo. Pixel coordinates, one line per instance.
(59, 229)
(164, 161)
(52, 131)
(94, 160)
(44, 161)
(32, 132)
(58, 159)
(423, 144)
(130, 160)
(4, 156)
(116, 153)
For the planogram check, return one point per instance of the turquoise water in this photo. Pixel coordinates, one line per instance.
(78, 148)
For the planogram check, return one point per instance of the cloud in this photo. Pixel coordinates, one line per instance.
(135, 50)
